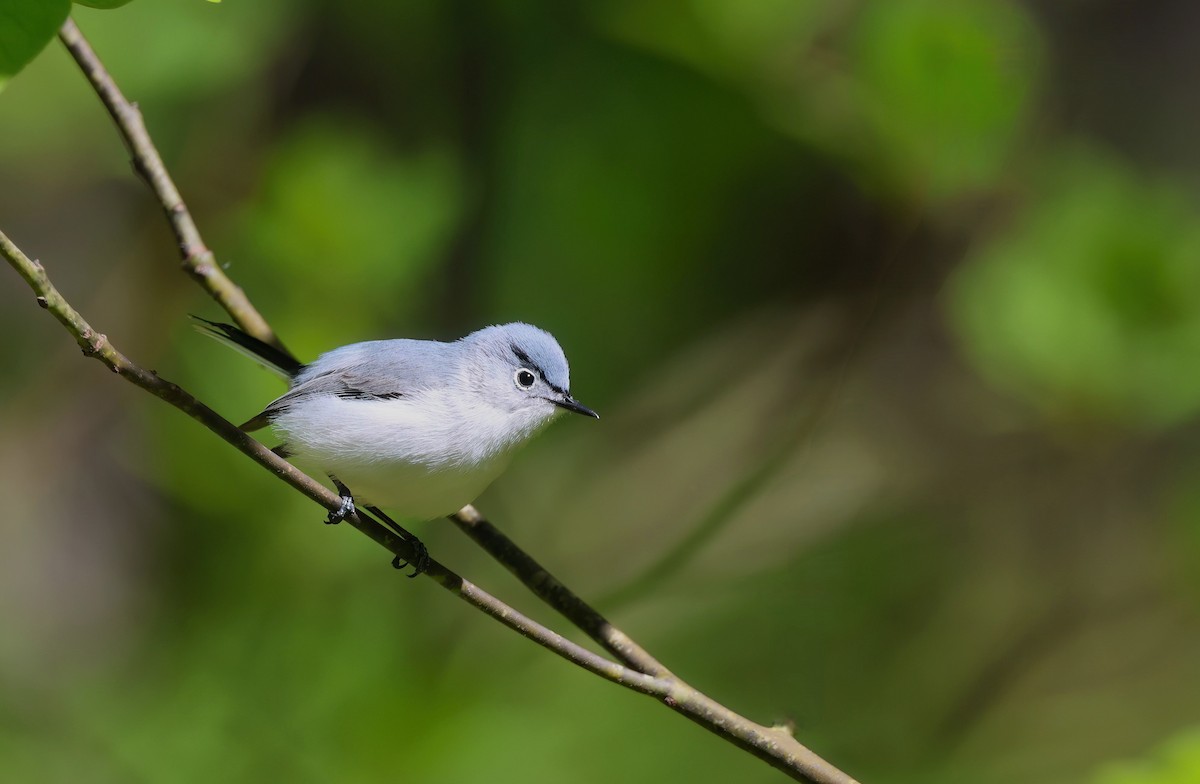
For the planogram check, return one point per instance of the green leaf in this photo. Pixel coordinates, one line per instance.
(105, 4)
(944, 88)
(26, 26)
(1086, 307)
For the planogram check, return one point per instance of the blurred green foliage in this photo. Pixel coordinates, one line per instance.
(1087, 305)
(921, 99)
(944, 87)
(894, 338)
(335, 193)
(1176, 762)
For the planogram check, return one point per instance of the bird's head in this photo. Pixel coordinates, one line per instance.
(521, 370)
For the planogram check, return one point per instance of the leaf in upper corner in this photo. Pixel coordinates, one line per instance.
(26, 26)
(105, 4)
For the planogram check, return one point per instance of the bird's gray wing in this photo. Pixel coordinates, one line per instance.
(379, 370)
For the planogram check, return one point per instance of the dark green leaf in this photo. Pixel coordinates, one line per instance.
(105, 4)
(25, 27)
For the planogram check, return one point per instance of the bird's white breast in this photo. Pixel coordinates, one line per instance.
(421, 456)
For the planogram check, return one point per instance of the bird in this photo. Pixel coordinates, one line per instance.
(421, 427)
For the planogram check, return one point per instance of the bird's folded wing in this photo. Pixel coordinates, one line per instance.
(345, 383)
(376, 370)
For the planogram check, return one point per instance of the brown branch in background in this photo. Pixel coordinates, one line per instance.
(643, 673)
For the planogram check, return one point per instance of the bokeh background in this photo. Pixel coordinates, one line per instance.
(891, 308)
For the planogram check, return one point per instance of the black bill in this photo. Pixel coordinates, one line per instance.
(571, 404)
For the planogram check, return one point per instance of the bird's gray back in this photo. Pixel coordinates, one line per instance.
(373, 370)
(402, 365)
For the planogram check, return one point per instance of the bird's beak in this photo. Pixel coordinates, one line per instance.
(571, 404)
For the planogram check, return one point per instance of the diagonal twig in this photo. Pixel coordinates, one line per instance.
(550, 590)
(198, 260)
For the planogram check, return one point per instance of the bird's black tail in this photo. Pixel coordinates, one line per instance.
(273, 359)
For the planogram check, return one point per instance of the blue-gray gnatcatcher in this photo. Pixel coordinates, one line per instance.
(419, 426)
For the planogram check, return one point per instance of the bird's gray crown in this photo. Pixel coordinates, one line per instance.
(524, 345)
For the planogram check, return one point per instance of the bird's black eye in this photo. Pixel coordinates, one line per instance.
(525, 379)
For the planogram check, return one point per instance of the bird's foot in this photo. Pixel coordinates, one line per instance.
(420, 564)
(341, 514)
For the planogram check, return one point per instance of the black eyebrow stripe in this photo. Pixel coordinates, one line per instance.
(521, 355)
(526, 359)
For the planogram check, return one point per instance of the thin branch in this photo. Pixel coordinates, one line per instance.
(548, 588)
(773, 745)
(643, 672)
(198, 260)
